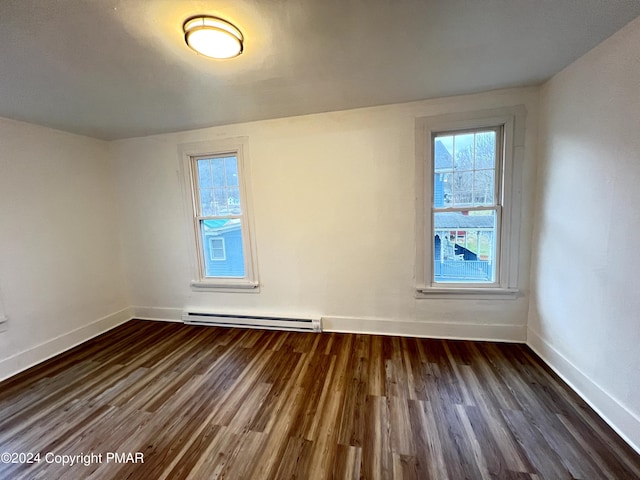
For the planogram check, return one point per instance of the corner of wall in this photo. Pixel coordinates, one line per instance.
(28, 358)
(624, 422)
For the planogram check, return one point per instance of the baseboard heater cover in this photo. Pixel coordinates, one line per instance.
(304, 324)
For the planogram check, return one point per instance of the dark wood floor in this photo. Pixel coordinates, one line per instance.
(204, 402)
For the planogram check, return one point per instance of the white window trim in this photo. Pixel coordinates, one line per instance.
(212, 248)
(513, 121)
(238, 147)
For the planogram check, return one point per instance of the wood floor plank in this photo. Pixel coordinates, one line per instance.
(546, 461)
(487, 414)
(205, 402)
(347, 463)
(376, 376)
(351, 424)
(376, 452)
(429, 456)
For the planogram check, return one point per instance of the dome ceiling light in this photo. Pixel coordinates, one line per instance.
(213, 37)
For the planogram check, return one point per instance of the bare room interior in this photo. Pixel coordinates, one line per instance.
(364, 240)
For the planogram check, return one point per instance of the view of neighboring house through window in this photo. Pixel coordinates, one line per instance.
(220, 216)
(466, 205)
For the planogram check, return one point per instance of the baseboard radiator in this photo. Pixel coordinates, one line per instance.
(302, 324)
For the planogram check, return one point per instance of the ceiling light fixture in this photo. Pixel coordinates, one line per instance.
(213, 37)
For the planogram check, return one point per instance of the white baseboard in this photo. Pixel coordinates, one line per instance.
(156, 313)
(462, 331)
(620, 418)
(458, 331)
(38, 354)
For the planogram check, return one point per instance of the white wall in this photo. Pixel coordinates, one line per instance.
(334, 213)
(61, 276)
(585, 311)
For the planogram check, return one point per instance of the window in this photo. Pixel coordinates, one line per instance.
(216, 249)
(217, 193)
(466, 211)
(466, 205)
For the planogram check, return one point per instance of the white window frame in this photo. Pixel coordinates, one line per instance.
(189, 153)
(508, 175)
(212, 248)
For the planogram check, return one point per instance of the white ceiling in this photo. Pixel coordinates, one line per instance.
(120, 68)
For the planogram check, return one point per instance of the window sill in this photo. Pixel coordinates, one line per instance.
(239, 287)
(471, 293)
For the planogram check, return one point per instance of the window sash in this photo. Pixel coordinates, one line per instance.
(498, 160)
(496, 254)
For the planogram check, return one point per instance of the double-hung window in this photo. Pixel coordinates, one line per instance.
(467, 210)
(216, 177)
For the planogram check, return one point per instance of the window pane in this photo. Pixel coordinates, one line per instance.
(486, 150)
(204, 174)
(442, 190)
(231, 169)
(217, 167)
(443, 153)
(233, 200)
(220, 201)
(483, 187)
(464, 247)
(463, 151)
(206, 202)
(223, 250)
(462, 189)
